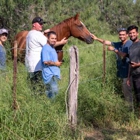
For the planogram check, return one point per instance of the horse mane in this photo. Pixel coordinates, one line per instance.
(59, 27)
(64, 21)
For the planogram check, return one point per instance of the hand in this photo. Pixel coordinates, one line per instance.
(64, 41)
(58, 63)
(128, 81)
(110, 48)
(94, 37)
(46, 31)
(134, 64)
(106, 42)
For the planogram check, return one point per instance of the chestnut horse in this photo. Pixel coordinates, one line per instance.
(69, 27)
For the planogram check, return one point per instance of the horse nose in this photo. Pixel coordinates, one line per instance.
(89, 40)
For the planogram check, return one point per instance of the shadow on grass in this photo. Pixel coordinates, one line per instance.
(114, 134)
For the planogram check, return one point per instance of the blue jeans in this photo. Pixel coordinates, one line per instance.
(52, 88)
(36, 82)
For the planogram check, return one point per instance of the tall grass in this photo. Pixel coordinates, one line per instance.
(100, 105)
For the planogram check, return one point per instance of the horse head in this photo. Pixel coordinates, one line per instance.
(79, 30)
(71, 27)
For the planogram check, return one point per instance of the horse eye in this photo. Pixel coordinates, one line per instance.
(80, 25)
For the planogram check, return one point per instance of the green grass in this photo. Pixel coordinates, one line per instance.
(101, 107)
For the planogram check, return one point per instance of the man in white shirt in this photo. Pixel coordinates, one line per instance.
(35, 40)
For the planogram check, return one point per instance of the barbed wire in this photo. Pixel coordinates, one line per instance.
(25, 70)
(83, 82)
(91, 64)
(67, 50)
(66, 88)
(81, 66)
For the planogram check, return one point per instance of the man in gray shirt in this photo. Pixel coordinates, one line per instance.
(134, 68)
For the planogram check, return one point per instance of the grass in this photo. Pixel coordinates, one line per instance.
(102, 112)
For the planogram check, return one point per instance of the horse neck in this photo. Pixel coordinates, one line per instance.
(62, 30)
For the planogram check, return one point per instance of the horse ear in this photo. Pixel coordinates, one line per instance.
(76, 16)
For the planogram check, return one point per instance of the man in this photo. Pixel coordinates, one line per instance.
(51, 70)
(35, 40)
(3, 38)
(134, 55)
(121, 51)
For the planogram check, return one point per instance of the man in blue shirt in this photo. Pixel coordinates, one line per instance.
(121, 50)
(50, 63)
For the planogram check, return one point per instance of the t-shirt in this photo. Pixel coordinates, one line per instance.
(35, 40)
(49, 54)
(122, 64)
(134, 55)
(2, 58)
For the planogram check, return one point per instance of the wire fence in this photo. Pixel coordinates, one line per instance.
(95, 61)
(90, 67)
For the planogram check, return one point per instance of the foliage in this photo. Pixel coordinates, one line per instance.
(100, 105)
(119, 13)
(97, 15)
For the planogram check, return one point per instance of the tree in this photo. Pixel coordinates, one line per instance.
(117, 13)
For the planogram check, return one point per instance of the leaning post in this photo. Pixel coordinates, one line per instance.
(73, 82)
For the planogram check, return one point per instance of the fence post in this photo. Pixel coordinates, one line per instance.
(73, 82)
(104, 62)
(15, 76)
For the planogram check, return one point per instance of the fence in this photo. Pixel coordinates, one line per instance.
(88, 60)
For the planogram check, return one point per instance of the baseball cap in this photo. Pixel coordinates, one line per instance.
(39, 20)
(3, 31)
(122, 29)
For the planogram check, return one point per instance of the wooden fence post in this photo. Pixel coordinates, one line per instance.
(15, 76)
(104, 62)
(73, 82)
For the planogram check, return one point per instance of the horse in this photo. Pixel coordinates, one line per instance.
(69, 27)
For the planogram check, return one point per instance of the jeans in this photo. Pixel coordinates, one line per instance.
(127, 91)
(136, 84)
(52, 88)
(36, 82)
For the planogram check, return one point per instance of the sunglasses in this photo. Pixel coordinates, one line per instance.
(41, 23)
(4, 34)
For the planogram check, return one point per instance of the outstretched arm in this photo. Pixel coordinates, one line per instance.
(110, 48)
(106, 42)
(58, 43)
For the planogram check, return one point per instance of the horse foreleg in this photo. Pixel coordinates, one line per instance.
(60, 55)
